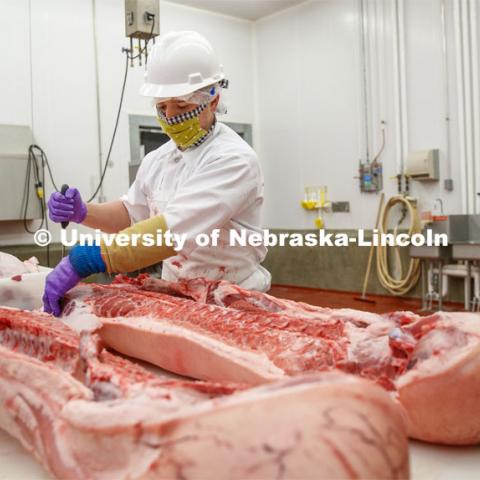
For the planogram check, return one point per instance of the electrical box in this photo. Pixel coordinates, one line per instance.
(423, 165)
(370, 176)
(14, 143)
(137, 18)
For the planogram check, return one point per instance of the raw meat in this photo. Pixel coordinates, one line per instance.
(87, 414)
(259, 338)
(440, 381)
(433, 362)
(205, 341)
(11, 266)
(23, 290)
(21, 283)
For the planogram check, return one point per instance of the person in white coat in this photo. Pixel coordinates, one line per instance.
(205, 179)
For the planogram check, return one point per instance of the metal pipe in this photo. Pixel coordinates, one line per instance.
(373, 92)
(364, 79)
(424, 280)
(468, 292)
(398, 19)
(31, 67)
(440, 284)
(446, 71)
(461, 98)
(382, 65)
(378, 84)
(403, 81)
(131, 51)
(396, 91)
(467, 80)
(440, 201)
(475, 106)
(101, 196)
(381, 59)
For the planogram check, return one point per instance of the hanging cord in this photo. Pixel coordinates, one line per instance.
(43, 155)
(38, 170)
(400, 284)
(114, 132)
(128, 57)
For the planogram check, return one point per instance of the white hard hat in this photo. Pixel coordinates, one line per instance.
(181, 63)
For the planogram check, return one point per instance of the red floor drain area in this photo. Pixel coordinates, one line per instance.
(336, 299)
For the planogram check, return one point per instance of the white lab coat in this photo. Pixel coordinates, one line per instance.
(218, 184)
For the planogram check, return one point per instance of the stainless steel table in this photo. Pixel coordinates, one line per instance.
(470, 252)
(429, 257)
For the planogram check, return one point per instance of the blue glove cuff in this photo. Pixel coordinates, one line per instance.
(86, 260)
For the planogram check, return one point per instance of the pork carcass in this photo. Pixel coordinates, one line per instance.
(21, 283)
(11, 266)
(87, 414)
(221, 332)
(433, 362)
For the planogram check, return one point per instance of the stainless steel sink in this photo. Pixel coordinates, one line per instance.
(430, 252)
(460, 229)
(463, 232)
(466, 251)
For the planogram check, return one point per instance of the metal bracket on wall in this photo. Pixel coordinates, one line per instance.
(341, 207)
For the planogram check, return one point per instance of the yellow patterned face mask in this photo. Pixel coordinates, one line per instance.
(184, 129)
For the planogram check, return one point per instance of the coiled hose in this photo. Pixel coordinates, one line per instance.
(400, 284)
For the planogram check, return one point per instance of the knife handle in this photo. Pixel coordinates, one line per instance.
(65, 187)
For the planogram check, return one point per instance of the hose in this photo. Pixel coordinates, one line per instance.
(400, 284)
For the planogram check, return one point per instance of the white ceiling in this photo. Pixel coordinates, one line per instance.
(248, 9)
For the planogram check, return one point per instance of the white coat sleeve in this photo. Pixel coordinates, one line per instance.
(212, 196)
(135, 200)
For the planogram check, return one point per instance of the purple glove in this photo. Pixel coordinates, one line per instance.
(67, 208)
(59, 281)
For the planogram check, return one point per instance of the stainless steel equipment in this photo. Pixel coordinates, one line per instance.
(459, 228)
(138, 18)
(463, 233)
(431, 257)
(142, 22)
(14, 143)
(468, 249)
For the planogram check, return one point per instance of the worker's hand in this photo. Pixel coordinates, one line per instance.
(67, 208)
(59, 281)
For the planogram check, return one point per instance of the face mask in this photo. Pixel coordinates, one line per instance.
(184, 129)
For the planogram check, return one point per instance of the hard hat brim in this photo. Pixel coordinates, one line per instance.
(175, 90)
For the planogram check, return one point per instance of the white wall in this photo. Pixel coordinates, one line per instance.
(426, 84)
(63, 112)
(308, 102)
(311, 123)
(295, 75)
(15, 65)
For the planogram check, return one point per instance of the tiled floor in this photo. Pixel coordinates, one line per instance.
(336, 299)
